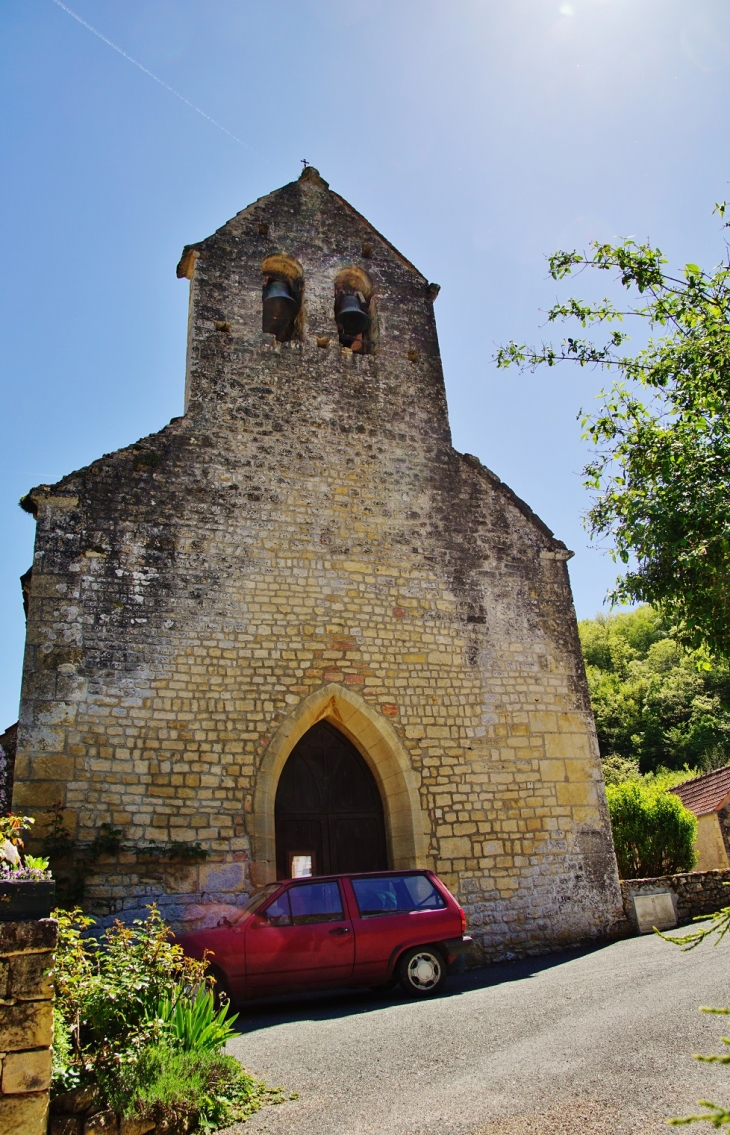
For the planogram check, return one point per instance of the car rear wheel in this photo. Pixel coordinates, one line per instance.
(422, 972)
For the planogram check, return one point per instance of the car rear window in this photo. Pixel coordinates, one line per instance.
(395, 893)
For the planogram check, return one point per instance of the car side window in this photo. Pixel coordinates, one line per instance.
(315, 902)
(393, 894)
(278, 913)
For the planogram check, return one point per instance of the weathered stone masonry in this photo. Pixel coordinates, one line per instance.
(26, 1024)
(305, 544)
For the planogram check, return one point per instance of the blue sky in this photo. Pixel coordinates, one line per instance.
(477, 135)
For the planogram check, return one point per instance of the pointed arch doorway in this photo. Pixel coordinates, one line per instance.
(328, 812)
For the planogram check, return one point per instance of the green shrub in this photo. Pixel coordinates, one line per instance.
(66, 1072)
(665, 778)
(187, 1091)
(617, 769)
(108, 989)
(135, 1018)
(653, 832)
(194, 1025)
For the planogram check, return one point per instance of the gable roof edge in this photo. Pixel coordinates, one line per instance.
(403, 259)
(518, 503)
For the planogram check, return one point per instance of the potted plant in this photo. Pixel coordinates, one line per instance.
(27, 889)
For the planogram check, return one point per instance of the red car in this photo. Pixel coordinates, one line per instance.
(325, 932)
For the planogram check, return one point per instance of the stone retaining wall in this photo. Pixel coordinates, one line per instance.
(26, 1024)
(697, 892)
(80, 1113)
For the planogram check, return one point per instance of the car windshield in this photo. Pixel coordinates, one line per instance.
(252, 905)
(393, 893)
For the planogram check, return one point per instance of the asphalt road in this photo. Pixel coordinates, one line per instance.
(572, 1044)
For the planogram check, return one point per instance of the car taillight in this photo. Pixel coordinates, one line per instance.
(463, 921)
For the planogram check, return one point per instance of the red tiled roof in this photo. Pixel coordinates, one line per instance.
(706, 793)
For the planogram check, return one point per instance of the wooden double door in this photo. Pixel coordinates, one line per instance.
(329, 814)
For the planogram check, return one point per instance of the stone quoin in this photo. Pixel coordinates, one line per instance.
(305, 548)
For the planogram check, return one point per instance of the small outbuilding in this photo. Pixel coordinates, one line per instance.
(708, 797)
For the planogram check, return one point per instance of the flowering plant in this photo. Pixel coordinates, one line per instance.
(25, 873)
(14, 866)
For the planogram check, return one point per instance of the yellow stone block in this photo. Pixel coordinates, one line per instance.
(572, 723)
(541, 722)
(55, 767)
(22, 767)
(24, 1115)
(552, 770)
(455, 847)
(576, 746)
(582, 793)
(579, 770)
(37, 793)
(27, 1024)
(26, 1072)
(590, 816)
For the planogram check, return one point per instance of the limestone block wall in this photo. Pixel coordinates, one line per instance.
(723, 818)
(710, 843)
(8, 742)
(187, 894)
(306, 544)
(26, 1024)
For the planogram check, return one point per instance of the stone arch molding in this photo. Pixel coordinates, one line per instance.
(406, 824)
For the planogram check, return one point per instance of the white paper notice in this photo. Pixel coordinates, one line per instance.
(655, 910)
(301, 866)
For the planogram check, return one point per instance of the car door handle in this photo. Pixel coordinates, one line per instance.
(340, 930)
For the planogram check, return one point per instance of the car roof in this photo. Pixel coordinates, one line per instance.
(358, 875)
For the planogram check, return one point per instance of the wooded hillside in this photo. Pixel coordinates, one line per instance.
(655, 703)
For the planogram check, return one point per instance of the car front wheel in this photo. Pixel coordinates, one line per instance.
(422, 972)
(221, 990)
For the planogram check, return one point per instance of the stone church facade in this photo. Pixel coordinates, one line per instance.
(297, 622)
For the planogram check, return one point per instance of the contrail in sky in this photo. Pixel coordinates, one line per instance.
(157, 80)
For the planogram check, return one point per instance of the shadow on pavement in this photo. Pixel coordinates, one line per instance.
(338, 1003)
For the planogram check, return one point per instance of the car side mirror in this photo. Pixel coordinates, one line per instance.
(259, 921)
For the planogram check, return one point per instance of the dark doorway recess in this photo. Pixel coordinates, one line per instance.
(328, 807)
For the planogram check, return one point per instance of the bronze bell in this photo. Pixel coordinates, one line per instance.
(351, 317)
(279, 308)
